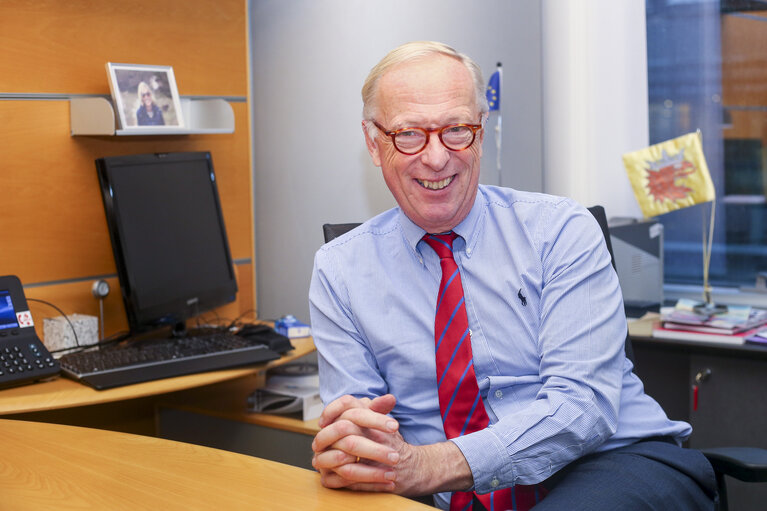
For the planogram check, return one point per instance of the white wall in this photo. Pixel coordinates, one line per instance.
(574, 100)
(595, 103)
(309, 59)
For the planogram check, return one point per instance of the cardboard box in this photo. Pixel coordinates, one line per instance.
(290, 327)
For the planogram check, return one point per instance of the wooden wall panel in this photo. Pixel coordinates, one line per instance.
(76, 297)
(54, 231)
(57, 219)
(63, 46)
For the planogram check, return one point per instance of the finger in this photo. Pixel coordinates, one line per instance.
(356, 473)
(333, 480)
(339, 406)
(366, 443)
(331, 459)
(366, 418)
(330, 479)
(383, 404)
(354, 422)
(367, 449)
(331, 434)
(373, 487)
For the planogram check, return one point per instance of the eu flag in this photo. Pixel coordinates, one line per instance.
(494, 90)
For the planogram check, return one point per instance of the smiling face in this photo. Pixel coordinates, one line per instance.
(145, 95)
(436, 187)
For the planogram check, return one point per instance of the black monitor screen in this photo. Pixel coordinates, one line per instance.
(168, 236)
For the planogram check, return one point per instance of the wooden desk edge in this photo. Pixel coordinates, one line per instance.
(742, 350)
(182, 469)
(64, 393)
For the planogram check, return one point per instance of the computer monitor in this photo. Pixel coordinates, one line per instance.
(638, 250)
(168, 237)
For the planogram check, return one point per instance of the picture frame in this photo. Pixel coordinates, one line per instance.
(145, 97)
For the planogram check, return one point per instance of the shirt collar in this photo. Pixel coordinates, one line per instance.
(468, 229)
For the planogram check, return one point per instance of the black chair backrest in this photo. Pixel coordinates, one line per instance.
(332, 231)
(335, 230)
(601, 217)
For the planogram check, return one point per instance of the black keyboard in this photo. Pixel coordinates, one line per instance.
(152, 359)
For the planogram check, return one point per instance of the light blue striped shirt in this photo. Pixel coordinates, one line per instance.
(547, 333)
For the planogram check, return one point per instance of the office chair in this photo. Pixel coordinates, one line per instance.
(332, 231)
(747, 464)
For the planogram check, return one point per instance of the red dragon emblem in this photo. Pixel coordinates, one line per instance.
(663, 174)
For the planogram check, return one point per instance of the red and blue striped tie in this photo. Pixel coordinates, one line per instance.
(460, 403)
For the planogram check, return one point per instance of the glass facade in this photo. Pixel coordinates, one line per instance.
(707, 70)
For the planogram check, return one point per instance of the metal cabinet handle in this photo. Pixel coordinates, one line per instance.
(702, 376)
(699, 378)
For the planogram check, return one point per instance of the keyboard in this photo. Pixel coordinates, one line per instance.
(152, 359)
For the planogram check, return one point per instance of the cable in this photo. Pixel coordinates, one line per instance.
(114, 338)
(236, 320)
(200, 321)
(74, 332)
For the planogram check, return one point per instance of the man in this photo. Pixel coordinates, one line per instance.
(562, 421)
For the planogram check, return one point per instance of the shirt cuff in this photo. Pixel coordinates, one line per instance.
(488, 460)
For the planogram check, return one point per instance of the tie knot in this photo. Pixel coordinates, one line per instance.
(442, 244)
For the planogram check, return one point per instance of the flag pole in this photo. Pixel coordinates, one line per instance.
(498, 126)
(707, 240)
(493, 95)
(708, 306)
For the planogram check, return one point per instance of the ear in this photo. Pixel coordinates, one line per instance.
(372, 144)
(482, 132)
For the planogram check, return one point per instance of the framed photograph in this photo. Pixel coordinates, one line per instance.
(145, 97)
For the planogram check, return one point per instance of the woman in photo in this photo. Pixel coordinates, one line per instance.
(148, 113)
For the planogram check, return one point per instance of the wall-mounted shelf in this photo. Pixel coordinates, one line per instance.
(96, 116)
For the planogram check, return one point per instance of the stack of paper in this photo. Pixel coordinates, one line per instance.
(732, 326)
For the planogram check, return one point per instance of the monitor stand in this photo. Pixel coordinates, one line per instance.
(179, 329)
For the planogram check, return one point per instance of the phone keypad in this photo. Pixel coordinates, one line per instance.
(24, 358)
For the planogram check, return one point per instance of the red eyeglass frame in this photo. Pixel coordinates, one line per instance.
(473, 127)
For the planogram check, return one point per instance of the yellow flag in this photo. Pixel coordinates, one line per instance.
(670, 175)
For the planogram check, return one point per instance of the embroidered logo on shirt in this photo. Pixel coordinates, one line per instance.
(522, 298)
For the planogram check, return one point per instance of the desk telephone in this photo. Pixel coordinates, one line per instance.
(23, 357)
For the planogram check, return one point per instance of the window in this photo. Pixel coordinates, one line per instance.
(707, 70)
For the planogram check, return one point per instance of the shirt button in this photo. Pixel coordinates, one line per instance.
(499, 394)
(468, 251)
(494, 483)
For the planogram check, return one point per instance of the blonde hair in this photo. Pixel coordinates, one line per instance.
(144, 87)
(412, 51)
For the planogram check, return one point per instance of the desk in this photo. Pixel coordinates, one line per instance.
(129, 408)
(48, 466)
(732, 409)
(731, 394)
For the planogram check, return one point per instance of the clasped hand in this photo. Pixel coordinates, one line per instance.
(359, 447)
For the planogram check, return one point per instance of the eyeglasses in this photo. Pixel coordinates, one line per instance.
(146, 94)
(455, 137)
